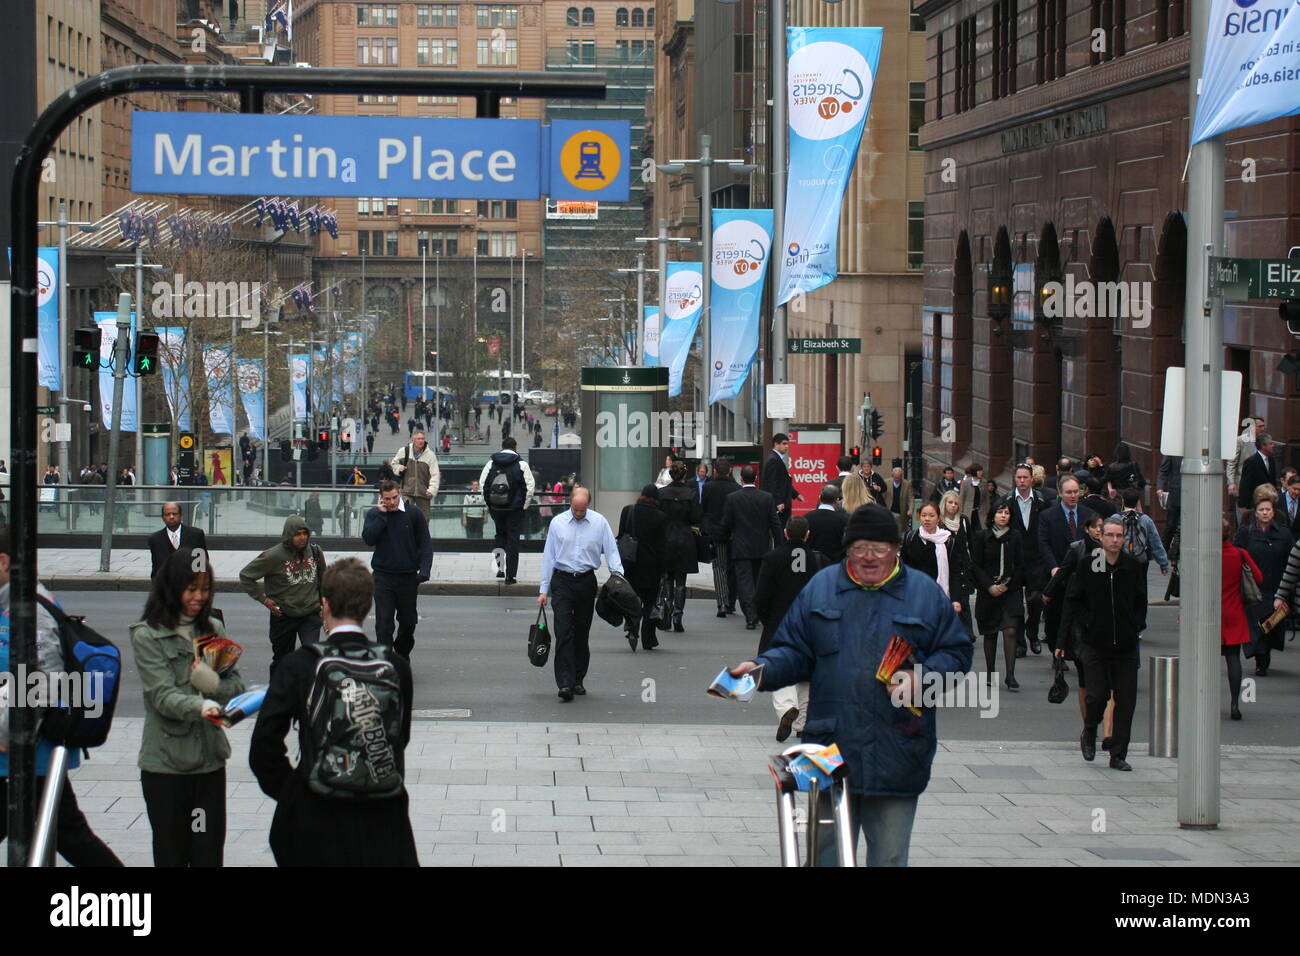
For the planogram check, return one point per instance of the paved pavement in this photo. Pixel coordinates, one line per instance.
(573, 794)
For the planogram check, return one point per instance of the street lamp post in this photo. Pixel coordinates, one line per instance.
(639, 319)
(139, 266)
(661, 249)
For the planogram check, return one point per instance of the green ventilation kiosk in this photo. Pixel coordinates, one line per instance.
(626, 432)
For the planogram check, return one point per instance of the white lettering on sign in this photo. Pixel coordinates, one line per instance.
(442, 166)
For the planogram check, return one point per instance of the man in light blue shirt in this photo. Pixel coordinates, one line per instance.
(575, 541)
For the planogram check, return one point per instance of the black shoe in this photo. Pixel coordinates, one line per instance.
(722, 614)
(1020, 652)
(677, 624)
(786, 724)
(1036, 646)
(751, 626)
(631, 640)
(1012, 684)
(512, 580)
(1106, 743)
(501, 574)
(1119, 763)
(1261, 671)
(1088, 744)
(566, 694)
(580, 690)
(1236, 712)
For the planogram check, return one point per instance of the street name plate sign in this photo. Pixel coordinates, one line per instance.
(247, 154)
(824, 346)
(1236, 278)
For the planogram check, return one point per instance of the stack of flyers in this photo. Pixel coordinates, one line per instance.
(1267, 624)
(897, 653)
(244, 705)
(816, 764)
(740, 688)
(219, 653)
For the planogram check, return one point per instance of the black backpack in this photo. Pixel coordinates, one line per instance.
(501, 484)
(1136, 542)
(354, 715)
(94, 668)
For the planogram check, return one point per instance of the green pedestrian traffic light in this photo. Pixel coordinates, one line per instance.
(146, 354)
(85, 347)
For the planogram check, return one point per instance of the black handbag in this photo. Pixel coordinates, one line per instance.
(705, 550)
(539, 640)
(627, 545)
(1060, 688)
(662, 612)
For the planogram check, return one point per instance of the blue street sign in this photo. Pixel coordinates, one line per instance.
(255, 155)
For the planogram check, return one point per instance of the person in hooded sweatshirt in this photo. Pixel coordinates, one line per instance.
(286, 579)
(507, 515)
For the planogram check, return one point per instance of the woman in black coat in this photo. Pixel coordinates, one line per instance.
(1058, 623)
(1268, 544)
(1124, 472)
(997, 564)
(920, 551)
(680, 504)
(644, 521)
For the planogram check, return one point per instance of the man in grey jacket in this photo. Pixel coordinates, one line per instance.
(416, 468)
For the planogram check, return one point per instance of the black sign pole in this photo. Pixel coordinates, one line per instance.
(251, 83)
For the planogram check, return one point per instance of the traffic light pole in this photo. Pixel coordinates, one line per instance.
(121, 354)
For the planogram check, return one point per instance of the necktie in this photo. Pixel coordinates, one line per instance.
(1074, 527)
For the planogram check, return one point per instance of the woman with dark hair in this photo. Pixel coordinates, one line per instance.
(644, 521)
(681, 505)
(1058, 626)
(997, 565)
(182, 753)
(1269, 544)
(934, 550)
(1124, 472)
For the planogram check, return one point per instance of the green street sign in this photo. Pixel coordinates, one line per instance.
(824, 346)
(1236, 278)
(46, 410)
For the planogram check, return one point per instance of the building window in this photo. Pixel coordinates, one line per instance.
(392, 206)
(436, 15)
(376, 51)
(1170, 20)
(376, 14)
(498, 209)
(390, 243)
(421, 244)
(498, 52)
(918, 24)
(1051, 40)
(571, 17)
(1106, 22)
(391, 59)
(915, 235)
(436, 51)
(588, 17)
(363, 206)
(639, 48)
(481, 246)
(638, 17)
(369, 98)
(649, 16)
(620, 17)
(965, 64)
(916, 114)
(497, 16)
(363, 243)
(1004, 48)
(938, 66)
(436, 100)
(581, 52)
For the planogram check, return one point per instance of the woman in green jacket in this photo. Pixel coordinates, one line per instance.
(182, 754)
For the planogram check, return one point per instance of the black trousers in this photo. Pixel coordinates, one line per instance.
(573, 599)
(1034, 608)
(746, 584)
(645, 624)
(677, 581)
(724, 577)
(395, 594)
(188, 815)
(1173, 516)
(283, 631)
(73, 839)
(1106, 673)
(509, 525)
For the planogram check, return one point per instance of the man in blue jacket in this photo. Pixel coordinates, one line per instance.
(835, 636)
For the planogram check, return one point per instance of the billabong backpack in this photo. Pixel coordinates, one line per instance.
(94, 668)
(354, 713)
(1135, 537)
(501, 488)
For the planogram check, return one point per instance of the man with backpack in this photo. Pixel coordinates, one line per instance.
(507, 486)
(75, 841)
(416, 468)
(1141, 539)
(402, 562)
(291, 572)
(346, 803)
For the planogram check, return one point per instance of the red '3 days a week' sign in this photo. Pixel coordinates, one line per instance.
(814, 453)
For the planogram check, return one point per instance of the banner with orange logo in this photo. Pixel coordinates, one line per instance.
(742, 239)
(830, 74)
(683, 299)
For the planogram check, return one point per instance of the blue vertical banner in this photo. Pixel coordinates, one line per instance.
(336, 372)
(221, 397)
(176, 375)
(248, 376)
(742, 241)
(351, 347)
(830, 76)
(48, 367)
(650, 329)
(107, 322)
(1250, 71)
(298, 365)
(319, 380)
(683, 300)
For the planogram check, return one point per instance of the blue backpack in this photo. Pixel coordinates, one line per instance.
(94, 667)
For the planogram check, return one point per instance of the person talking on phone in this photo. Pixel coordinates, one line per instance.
(401, 563)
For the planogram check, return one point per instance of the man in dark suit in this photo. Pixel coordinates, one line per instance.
(826, 524)
(776, 477)
(1258, 469)
(173, 537)
(845, 465)
(713, 501)
(945, 484)
(1062, 524)
(1169, 492)
(1094, 501)
(701, 479)
(1288, 508)
(751, 525)
(1027, 505)
(784, 573)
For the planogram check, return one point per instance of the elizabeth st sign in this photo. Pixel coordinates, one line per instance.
(824, 346)
(254, 154)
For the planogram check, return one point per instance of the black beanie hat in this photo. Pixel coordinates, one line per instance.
(651, 492)
(871, 522)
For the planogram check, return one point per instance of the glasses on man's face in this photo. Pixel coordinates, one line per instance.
(861, 550)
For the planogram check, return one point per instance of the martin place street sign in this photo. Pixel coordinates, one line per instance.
(1234, 278)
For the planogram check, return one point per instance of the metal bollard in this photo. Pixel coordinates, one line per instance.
(1164, 707)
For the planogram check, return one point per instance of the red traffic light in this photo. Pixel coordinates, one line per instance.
(877, 456)
(323, 436)
(855, 454)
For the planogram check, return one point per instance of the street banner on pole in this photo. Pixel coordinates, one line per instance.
(651, 320)
(683, 299)
(48, 367)
(352, 363)
(320, 359)
(742, 239)
(176, 374)
(830, 75)
(248, 375)
(298, 386)
(221, 398)
(1250, 71)
(107, 322)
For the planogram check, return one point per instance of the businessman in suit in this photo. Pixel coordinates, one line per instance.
(1259, 469)
(1027, 507)
(173, 537)
(826, 524)
(776, 478)
(751, 524)
(1169, 492)
(1288, 507)
(713, 500)
(1061, 525)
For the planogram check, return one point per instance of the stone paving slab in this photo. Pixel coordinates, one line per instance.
(533, 794)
